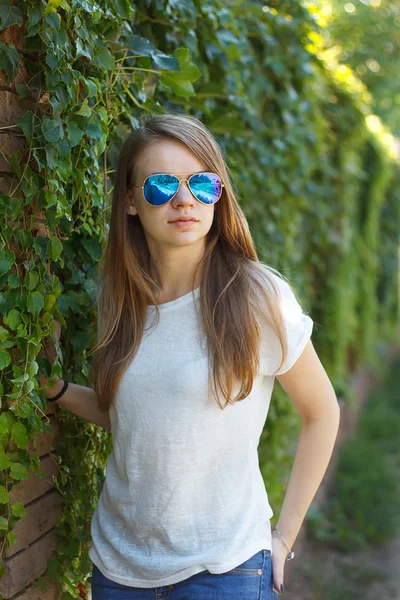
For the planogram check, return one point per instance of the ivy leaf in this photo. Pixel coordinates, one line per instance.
(11, 537)
(26, 124)
(21, 90)
(51, 19)
(164, 62)
(50, 157)
(3, 303)
(40, 246)
(142, 47)
(93, 248)
(54, 248)
(10, 15)
(186, 66)
(4, 334)
(11, 206)
(14, 281)
(5, 461)
(52, 61)
(7, 420)
(20, 435)
(80, 341)
(32, 368)
(49, 302)
(123, 8)
(9, 60)
(52, 569)
(94, 132)
(28, 386)
(91, 87)
(3, 522)
(21, 378)
(31, 279)
(101, 111)
(18, 509)
(5, 265)
(59, 3)
(5, 359)
(180, 87)
(18, 471)
(85, 109)
(13, 319)
(75, 134)
(4, 496)
(35, 303)
(180, 81)
(51, 130)
(82, 50)
(104, 59)
(25, 238)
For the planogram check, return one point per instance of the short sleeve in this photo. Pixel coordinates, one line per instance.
(298, 326)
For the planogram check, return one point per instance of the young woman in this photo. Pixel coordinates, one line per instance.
(193, 330)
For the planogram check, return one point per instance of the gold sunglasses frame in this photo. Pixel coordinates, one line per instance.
(179, 186)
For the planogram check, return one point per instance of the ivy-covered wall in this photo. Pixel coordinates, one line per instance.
(314, 171)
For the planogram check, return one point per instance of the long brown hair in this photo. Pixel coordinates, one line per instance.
(235, 288)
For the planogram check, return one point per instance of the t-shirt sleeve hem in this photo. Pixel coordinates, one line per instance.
(295, 354)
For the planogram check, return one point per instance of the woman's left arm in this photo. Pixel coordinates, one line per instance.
(310, 389)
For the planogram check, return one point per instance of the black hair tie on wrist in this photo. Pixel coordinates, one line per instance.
(59, 393)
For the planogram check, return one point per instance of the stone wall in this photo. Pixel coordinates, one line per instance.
(26, 560)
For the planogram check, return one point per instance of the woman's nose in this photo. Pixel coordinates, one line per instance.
(184, 194)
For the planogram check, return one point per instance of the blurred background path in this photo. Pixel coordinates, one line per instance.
(365, 569)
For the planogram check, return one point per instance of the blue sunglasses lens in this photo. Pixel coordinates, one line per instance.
(159, 189)
(206, 187)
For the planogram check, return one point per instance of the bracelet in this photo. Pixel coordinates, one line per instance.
(291, 553)
(59, 393)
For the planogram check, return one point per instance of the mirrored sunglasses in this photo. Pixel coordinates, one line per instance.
(160, 188)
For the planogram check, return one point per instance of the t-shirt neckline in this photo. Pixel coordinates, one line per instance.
(178, 302)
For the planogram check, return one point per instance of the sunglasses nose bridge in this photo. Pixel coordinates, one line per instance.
(183, 179)
(179, 185)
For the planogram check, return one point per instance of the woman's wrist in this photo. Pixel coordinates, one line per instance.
(284, 542)
(53, 391)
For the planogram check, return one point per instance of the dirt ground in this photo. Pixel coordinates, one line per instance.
(321, 573)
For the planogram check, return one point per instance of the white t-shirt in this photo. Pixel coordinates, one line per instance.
(183, 491)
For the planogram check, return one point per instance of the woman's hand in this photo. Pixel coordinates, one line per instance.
(50, 352)
(279, 555)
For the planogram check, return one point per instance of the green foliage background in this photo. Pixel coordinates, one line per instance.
(363, 499)
(365, 34)
(314, 171)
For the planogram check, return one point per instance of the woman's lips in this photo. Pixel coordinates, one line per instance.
(183, 223)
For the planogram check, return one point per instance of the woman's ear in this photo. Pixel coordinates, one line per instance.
(130, 203)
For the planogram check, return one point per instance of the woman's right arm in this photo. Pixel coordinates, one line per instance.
(78, 399)
(81, 401)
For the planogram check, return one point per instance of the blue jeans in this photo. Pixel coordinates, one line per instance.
(252, 580)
